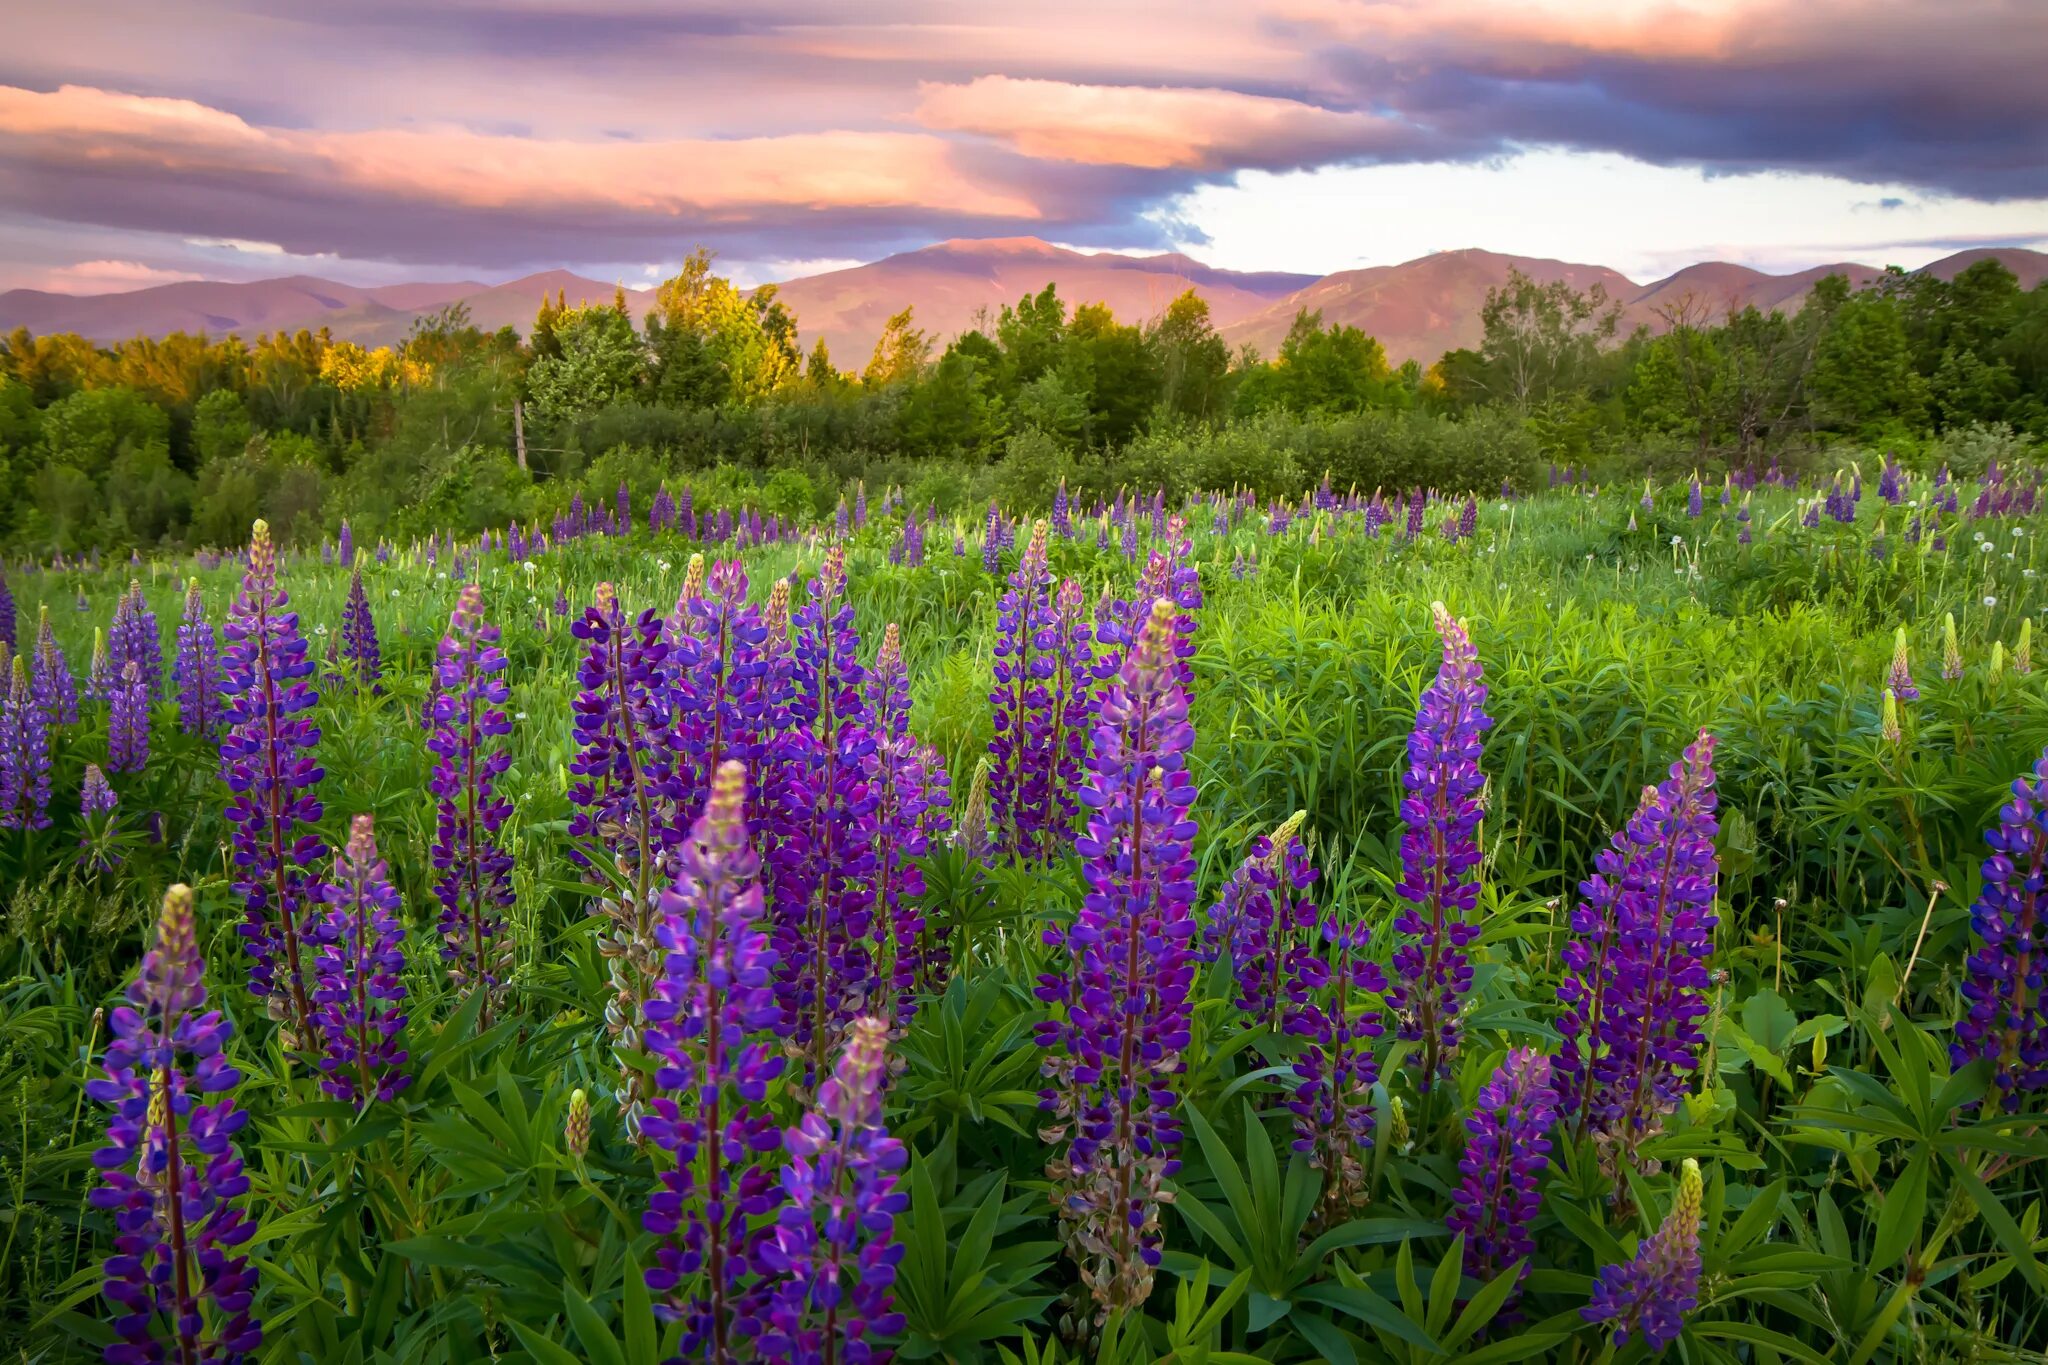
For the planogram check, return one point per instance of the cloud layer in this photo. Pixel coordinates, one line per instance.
(499, 136)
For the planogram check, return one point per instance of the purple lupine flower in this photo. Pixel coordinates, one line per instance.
(1255, 923)
(347, 550)
(134, 638)
(1418, 502)
(860, 503)
(96, 806)
(7, 611)
(619, 715)
(1440, 812)
(359, 1008)
(266, 760)
(661, 516)
(1062, 516)
(712, 668)
(101, 678)
(1121, 1012)
(1070, 691)
(24, 756)
(470, 723)
(128, 723)
(834, 1248)
(1330, 988)
(2004, 1021)
(178, 1282)
(359, 650)
(712, 1024)
(197, 672)
(1890, 484)
(1695, 503)
(1468, 519)
(1634, 993)
(1023, 702)
(823, 899)
(839, 519)
(909, 795)
(992, 541)
(1507, 1147)
(1652, 1292)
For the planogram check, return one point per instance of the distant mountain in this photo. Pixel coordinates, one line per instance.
(1418, 309)
(949, 285)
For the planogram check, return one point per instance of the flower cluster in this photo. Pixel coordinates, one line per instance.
(55, 689)
(1650, 1294)
(197, 671)
(2005, 1017)
(128, 722)
(1121, 1011)
(24, 756)
(470, 726)
(361, 659)
(1506, 1149)
(358, 999)
(1634, 992)
(266, 759)
(96, 806)
(1440, 812)
(833, 1245)
(711, 1024)
(179, 1284)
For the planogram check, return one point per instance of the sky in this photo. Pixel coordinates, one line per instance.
(372, 141)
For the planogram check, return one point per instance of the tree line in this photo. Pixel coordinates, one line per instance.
(186, 439)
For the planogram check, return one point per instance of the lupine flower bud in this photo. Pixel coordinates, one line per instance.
(1440, 853)
(178, 1283)
(1651, 1293)
(1505, 1153)
(1900, 679)
(1888, 726)
(2004, 1021)
(1996, 667)
(2023, 653)
(576, 1128)
(972, 834)
(1951, 652)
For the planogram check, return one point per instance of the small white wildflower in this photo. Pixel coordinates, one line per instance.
(319, 630)
(394, 592)
(442, 576)
(1985, 547)
(1677, 541)
(2026, 573)
(1503, 507)
(1990, 600)
(2017, 532)
(519, 715)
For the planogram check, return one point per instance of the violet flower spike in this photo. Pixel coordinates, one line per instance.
(128, 722)
(1440, 854)
(470, 725)
(24, 756)
(2004, 1021)
(197, 671)
(1652, 1292)
(177, 1281)
(96, 805)
(56, 689)
(712, 1024)
(1506, 1150)
(267, 763)
(361, 657)
(1121, 1016)
(358, 997)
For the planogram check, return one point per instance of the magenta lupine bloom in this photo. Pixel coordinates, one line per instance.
(1506, 1148)
(24, 756)
(905, 790)
(266, 760)
(2004, 1021)
(358, 999)
(1634, 992)
(1440, 812)
(1023, 700)
(1121, 1013)
(361, 658)
(834, 1248)
(470, 725)
(96, 806)
(713, 1023)
(128, 723)
(177, 1281)
(197, 672)
(1651, 1293)
(823, 899)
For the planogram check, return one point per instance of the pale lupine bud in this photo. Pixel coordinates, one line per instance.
(1997, 665)
(576, 1129)
(693, 578)
(1890, 727)
(1951, 652)
(1900, 679)
(2023, 655)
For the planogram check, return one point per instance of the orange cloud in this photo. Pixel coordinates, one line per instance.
(1153, 128)
(699, 177)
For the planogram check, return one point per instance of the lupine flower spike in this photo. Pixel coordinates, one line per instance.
(1951, 651)
(470, 725)
(197, 672)
(96, 806)
(1440, 855)
(1507, 1147)
(267, 762)
(1121, 1015)
(178, 1281)
(1900, 679)
(2004, 1021)
(1650, 1294)
(24, 756)
(359, 1000)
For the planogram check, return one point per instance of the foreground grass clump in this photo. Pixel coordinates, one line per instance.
(1365, 930)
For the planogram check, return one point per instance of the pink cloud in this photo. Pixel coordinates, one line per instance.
(452, 167)
(1154, 128)
(107, 277)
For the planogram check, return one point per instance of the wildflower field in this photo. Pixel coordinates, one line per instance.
(1582, 925)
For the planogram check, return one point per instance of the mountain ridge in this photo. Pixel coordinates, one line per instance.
(1418, 309)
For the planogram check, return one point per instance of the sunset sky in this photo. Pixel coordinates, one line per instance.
(370, 140)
